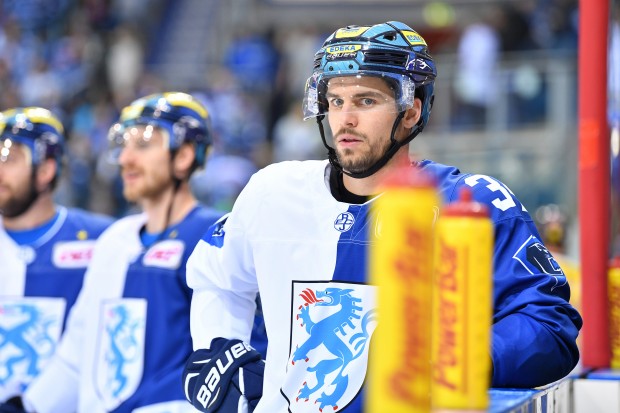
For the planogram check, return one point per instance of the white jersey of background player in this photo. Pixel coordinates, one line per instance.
(44, 247)
(299, 234)
(127, 335)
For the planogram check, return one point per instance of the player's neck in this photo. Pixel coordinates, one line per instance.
(157, 209)
(41, 211)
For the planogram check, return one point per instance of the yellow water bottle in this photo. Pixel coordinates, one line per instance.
(401, 266)
(613, 292)
(462, 306)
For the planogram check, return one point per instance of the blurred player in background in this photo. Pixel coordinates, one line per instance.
(127, 337)
(299, 231)
(44, 247)
(552, 222)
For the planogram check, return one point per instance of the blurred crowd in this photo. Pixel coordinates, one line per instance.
(502, 29)
(85, 59)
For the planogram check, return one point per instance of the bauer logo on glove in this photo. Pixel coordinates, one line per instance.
(228, 377)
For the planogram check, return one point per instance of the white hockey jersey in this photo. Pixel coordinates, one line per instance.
(40, 279)
(306, 253)
(127, 336)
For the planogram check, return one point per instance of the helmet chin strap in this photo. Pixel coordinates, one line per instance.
(176, 184)
(391, 151)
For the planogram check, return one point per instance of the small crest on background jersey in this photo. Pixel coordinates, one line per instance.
(27, 254)
(73, 254)
(165, 254)
(331, 327)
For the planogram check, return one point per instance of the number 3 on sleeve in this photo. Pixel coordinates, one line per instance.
(504, 204)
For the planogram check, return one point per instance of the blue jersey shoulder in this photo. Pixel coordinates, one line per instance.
(92, 223)
(502, 203)
(197, 222)
(208, 214)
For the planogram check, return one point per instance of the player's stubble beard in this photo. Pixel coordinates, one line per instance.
(149, 187)
(351, 160)
(20, 202)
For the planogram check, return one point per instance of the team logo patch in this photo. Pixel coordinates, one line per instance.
(536, 258)
(29, 331)
(344, 48)
(216, 233)
(348, 51)
(73, 254)
(417, 64)
(344, 222)
(165, 254)
(331, 328)
(27, 254)
(120, 358)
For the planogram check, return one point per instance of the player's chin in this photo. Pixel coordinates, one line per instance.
(355, 167)
(131, 194)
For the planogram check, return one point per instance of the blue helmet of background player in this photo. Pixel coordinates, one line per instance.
(180, 115)
(37, 129)
(392, 51)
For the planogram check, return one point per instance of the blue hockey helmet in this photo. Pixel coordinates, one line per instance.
(36, 128)
(182, 116)
(392, 51)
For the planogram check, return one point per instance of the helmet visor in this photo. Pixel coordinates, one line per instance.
(139, 137)
(357, 92)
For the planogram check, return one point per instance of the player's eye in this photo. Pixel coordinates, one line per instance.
(336, 102)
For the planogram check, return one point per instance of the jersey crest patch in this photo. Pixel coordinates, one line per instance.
(120, 358)
(165, 254)
(344, 222)
(30, 328)
(331, 327)
(536, 258)
(73, 254)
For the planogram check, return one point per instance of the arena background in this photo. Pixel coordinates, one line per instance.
(505, 97)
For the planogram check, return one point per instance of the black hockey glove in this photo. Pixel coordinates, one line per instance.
(13, 405)
(225, 377)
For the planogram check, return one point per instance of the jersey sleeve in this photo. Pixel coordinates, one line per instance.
(221, 274)
(535, 328)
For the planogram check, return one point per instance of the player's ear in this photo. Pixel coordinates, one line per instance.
(412, 114)
(45, 174)
(183, 161)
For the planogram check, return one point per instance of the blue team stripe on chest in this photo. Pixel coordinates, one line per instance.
(352, 250)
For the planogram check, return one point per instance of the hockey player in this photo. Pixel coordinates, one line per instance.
(298, 233)
(44, 247)
(128, 335)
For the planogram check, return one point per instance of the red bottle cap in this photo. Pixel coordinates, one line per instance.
(465, 206)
